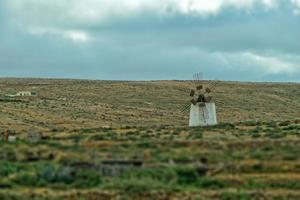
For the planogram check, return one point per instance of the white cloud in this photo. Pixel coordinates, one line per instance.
(261, 63)
(73, 35)
(273, 65)
(68, 19)
(53, 16)
(105, 10)
(270, 3)
(77, 36)
(296, 2)
(212, 7)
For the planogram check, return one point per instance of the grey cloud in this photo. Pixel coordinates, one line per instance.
(232, 45)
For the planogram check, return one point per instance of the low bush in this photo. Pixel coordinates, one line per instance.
(251, 123)
(272, 124)
(135, 186)
(186, 175)
(235, 196)
(7, 168)
(275, 135)
(85, 179)
(226, 126)
(48, 174)
(284, 123)
(28, 179)
(210, 183)
(164, 175)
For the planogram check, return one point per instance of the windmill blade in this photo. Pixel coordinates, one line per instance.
(185, 90)
(212, 85)
(184, 108)
(191, 83)
(194, 82)
(200, 76)
(185, 86)
(192, 93)
(197, 79)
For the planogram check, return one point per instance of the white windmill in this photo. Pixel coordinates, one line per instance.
(202, 108)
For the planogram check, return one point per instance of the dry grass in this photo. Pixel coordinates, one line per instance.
(258, 151)
(106, 103)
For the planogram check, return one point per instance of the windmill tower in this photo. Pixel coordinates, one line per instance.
(202, 109)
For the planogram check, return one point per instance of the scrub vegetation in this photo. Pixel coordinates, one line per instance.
(62, 141)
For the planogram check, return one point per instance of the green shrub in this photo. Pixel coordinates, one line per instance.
(255, 135)
(251, 123)
(186, 175)
(47, 173)
(146, 145)
(86, 179)
(256, 130)
(195, 135)
(209, 183)
(64, 175)
(226, 126)
(7, 168)
(137, 186)
(275, 135)
(235, 196)
(285, 123)
(163, 175)
(291, 127)
(28, 179)
(290, 184)
(272, 124)
(97, 137)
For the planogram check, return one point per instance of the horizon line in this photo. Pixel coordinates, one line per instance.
(145, 80)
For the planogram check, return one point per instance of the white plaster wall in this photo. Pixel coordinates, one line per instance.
(203, 116)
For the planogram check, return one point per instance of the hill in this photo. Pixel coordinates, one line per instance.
(65, 104)
(99, 140)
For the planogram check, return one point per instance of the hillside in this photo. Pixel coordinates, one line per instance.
(69, 104)
(98, 140)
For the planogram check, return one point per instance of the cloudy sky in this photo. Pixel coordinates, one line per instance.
(247, 40)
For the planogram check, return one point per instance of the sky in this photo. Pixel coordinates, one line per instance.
(241, 40)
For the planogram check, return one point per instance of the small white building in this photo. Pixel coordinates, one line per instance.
(26, 94)
(203, 114)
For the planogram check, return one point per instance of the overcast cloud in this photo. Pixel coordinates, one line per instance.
(248, 40)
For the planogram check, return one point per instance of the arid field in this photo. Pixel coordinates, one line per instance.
(72, 104)
(73, 129)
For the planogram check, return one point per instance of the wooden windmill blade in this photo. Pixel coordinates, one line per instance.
(194, 84)
(212, 85)
(186, 86)
(184, 89)
(185, 108)
(198, 79)
(201, 107)
(191, 83)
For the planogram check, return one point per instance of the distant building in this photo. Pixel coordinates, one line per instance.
(8, 136)
(26, 94)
